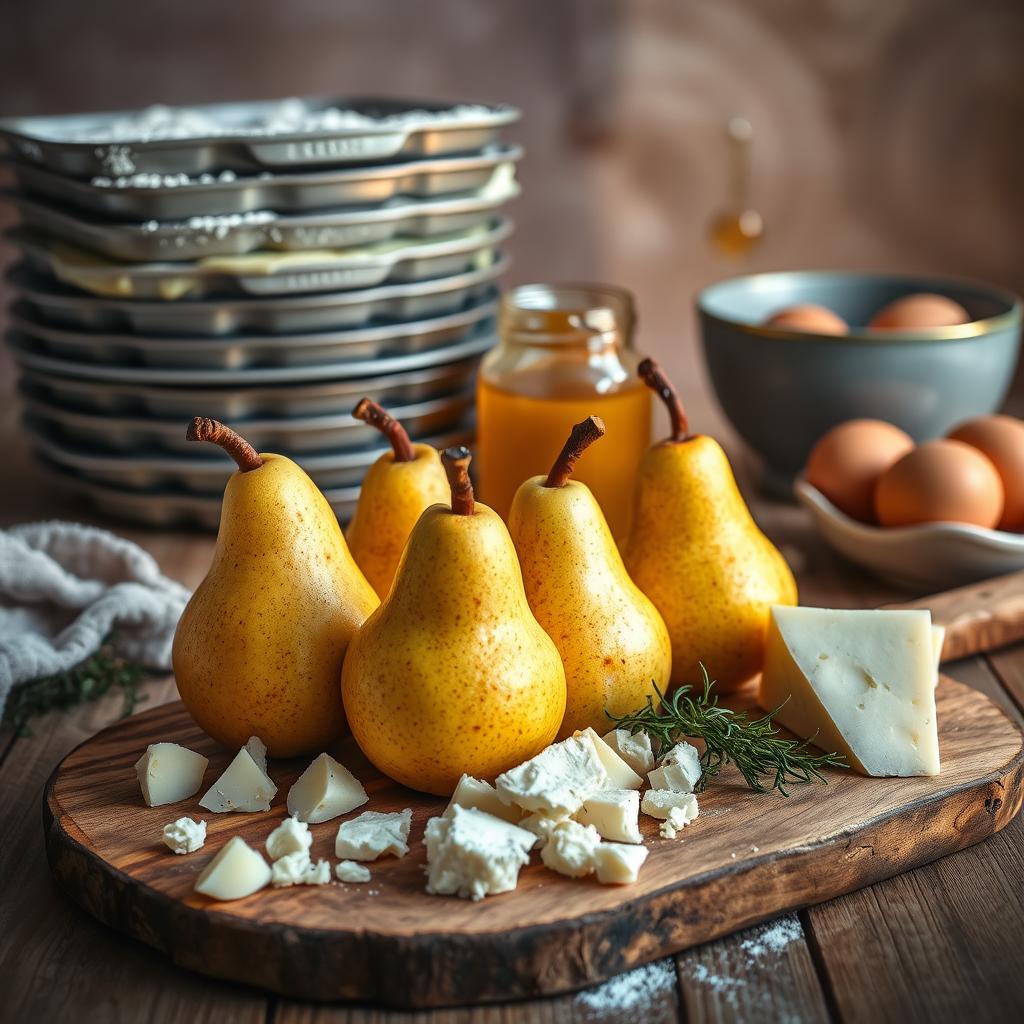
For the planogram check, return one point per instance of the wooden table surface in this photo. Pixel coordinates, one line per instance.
(941, 943)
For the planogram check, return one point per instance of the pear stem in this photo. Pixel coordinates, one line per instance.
(456, 466)
(204, 429)
(654, 377)
(377, 416)
(583, 435)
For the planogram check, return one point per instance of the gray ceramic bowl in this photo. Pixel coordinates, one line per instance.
(782, 389)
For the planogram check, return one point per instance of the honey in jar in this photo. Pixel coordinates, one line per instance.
(565, 353)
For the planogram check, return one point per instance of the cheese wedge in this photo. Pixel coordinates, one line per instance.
(861, 683)
(620, 774)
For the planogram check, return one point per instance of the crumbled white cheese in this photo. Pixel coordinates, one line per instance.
(236, 871)
(659, 803)
(257, 751)
(620, 775)
(617, 864)
(244, 786)
(636, 749)
(298, 869)
(325, 790)
(678, 818)
(483, 796)
(570, 849)
(291, 836)
(168, 773)
(614, 813)
(680, 770)
(557, 780)
(540, 825)
(185, 835)
(473, 854)
(372, 834)
(350, 871)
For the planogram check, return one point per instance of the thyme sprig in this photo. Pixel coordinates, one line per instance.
(97, 675)
(753, 745)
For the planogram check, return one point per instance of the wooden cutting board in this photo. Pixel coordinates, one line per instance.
(747, 857)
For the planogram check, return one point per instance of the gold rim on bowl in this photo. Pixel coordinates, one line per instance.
(957, 332)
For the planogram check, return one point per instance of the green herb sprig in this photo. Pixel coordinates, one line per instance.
(753, 745)
(94, 677)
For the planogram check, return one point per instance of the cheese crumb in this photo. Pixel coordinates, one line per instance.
(570, 849)
(680, 770)
(291, 836)
(350, 871)
(298, 869)
(635, 749)
(185, 835)
(658, 803)
(373, 834)
(473, 854)
(557, 780)
(618, 863)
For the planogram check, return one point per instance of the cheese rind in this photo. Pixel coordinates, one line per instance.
(350, 871)
(614, 813)
(483, 796)
(243, 786)
(325, 790)
(635, 749)
(659, 803)
(185, 835)
(556, 781)
(570, 849)
(373, 834)
(861, 683)
(620, 774)
(237, 870)
(680, 770)
(473, 854)
(617, 864)
(291, 836)
(168, 773)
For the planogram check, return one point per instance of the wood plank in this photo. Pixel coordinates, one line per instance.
(57, 964)
(647, 994)
(980, 617)
(941, 943)
(763, 973)
(391, 942)
(1009, 668)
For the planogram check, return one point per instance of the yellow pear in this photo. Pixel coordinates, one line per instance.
(452, 673)
(613, 643)
(696, 552)
(259, 647)
(398, 488)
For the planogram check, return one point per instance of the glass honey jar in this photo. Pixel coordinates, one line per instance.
(565, 353)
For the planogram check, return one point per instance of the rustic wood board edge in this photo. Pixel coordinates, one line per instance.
(432, 969)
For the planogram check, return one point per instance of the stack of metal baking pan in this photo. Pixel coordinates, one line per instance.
(266, 264)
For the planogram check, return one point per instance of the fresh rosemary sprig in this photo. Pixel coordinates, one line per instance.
(89, 681)
(754, 746)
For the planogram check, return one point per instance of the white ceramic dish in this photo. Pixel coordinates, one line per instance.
(933, 557)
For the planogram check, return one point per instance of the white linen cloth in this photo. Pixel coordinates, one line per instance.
(65, 586)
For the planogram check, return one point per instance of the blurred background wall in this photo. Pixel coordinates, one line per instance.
(887, 133)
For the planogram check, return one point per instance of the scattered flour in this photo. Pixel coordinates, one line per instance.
(291, 116)
(634, 991)
(762, 943)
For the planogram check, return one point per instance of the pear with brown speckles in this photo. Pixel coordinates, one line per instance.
(259, 647)
(613, 642)
(696, 552)
(453, 674)
(397, 489)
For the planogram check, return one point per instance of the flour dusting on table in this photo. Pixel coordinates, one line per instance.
(633, 991)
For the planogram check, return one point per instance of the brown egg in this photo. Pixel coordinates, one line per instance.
(1001, 438)
(940, 482)
(924, 309)
(848, 460)
(808, 317)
